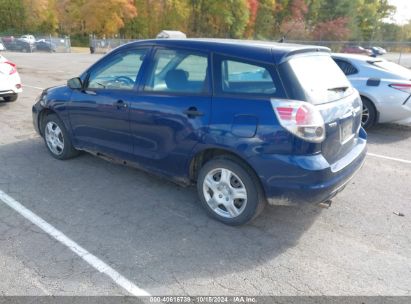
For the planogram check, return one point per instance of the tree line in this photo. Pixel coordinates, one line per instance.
(251, 19)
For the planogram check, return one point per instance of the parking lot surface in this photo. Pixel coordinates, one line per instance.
(155, 234)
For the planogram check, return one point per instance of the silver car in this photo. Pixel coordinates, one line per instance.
(384, 86)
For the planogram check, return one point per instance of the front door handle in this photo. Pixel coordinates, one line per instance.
(192, 112)
(120, 104)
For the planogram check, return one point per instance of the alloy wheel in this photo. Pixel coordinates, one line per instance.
(365, 115)
(225, 193)
(54, 138)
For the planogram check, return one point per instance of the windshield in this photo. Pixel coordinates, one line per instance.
(320, 78)
(392, 67)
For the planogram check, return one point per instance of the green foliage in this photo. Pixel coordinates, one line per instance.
(215, 18)
(12, 16)
(261, 19)
(265, 21)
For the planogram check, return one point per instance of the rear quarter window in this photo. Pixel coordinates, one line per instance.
(346, 67)
(246, 78)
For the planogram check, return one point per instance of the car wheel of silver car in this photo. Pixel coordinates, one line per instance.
(368, 118)
(57, 139)
(229, 191)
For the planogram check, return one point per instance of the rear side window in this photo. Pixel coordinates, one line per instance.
(240, 77)
(178, 71)
(346, 67)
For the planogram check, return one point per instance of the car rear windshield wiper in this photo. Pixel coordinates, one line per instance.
(337, 89)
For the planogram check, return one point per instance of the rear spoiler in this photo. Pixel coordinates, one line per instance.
(305, 50)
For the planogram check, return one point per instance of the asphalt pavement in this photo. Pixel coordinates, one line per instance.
(155, 234)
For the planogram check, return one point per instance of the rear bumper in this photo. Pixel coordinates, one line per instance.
(296, 180)
(10, 92)
(7, 93)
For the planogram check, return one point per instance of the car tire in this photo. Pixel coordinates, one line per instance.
(11, 98)
(230, 191)
(369, 113)
(57, 139)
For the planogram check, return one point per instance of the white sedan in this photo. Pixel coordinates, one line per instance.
(10, 83)
(384, 86)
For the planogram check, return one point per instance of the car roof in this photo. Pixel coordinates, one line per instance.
(252, 49)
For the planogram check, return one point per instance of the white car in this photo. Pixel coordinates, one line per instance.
(10, 83)
(28, 38)
(384, 86)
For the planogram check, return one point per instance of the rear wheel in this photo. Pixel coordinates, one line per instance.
(11, 98)
(229, 191)
(57, 139)
(369, 114)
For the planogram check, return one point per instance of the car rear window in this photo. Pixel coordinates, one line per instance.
(392, 67)
(320, 78)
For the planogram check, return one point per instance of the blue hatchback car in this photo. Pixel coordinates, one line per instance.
(249, 122)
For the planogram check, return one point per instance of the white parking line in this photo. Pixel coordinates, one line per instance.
(390, 158)
(33, 87)
(73, 246)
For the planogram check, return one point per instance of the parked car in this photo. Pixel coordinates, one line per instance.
(28, 38)
(376, 51)
(356, 49)
(287, 133)
(19, 45)
(7, 39)
(384, 86)
(43, 45)
(10, 83)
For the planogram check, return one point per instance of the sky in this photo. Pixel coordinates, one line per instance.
(403, 14)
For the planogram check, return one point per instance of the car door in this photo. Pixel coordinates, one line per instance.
(172, 111)
(99, 114)
(242, 111)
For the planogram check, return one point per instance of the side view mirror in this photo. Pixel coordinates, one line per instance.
(75, 83)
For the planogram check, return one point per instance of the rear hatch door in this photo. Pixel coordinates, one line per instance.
(317, 79)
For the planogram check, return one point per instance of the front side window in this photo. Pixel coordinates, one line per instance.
(178, 71)
(119, 72)
(245, 78)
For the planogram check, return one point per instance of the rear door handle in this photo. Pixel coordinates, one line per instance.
(120, 104)
(192, 112)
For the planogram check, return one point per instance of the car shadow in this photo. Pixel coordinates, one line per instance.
(150, 230)
(388, 133)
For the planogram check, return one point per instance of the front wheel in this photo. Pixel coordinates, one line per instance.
(57, 139)
(229, 191)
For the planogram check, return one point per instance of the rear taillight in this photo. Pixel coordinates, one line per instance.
(301, 119)
(405, 87)
(13, 67)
